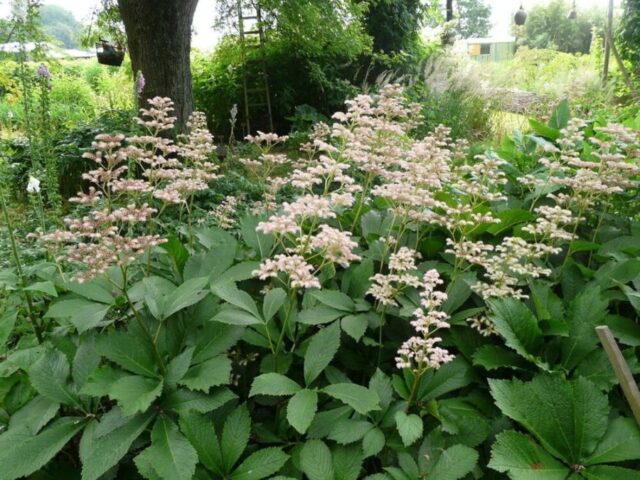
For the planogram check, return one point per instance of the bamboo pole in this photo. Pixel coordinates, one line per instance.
(620, 367)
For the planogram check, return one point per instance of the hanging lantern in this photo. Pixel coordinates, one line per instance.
(520, 16)
(573, 14)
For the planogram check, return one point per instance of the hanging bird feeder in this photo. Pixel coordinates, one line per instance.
(520, 16)
(573, 14)
(108, 54)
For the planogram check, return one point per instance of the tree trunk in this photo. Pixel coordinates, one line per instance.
(159, 38)
(449, 10)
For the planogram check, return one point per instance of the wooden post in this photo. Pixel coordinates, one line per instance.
(620, 367)
(607, 48)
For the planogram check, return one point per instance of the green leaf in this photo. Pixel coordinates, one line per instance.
(134, 393)
(83, 314)
(235, 436)
(410, 427)
(454, 463)
(322, 348)
(127, 351)
(99, 382)
(373, 442)
(568, 417)
(170, 454)
(620, 443)
(316, 461)
(49, 377)
(187, 294)
(355, 325)
(273, 384)
(98, 454)
(273, 300)
(360, 398)
(212, 373)
(609, 472)
(560, 116)
(200, 431)
(347, 462)
(85, 361)
(587, 311)
(34, 415)
(22, 454)
(334, 299)
(235, 316)
(319, 315)
(348, 431)
(493, 357)
(301, 409)
(48, 288)
(258, 241)
(7, 322)
(461, 419)
(239, 298)
(214, 339)
(178, 366)
(381, 384)
(183, 400)
(523, 459)
(451, 376)
(261, 464)
(517, 324)
(543, 130)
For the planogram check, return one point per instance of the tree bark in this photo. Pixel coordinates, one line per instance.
(159, 41)
(449, 9)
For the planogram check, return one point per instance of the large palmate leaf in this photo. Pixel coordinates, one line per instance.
(567, 417)
(519, 456)
(135, 393)
(620, 443)
(409, 427)
(211, 373)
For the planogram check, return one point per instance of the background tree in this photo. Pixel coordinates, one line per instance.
(159, 41)
(61, 25)
(473, 18)
(629, 33)
(548, 26)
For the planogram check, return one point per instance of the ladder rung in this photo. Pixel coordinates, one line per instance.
(264, 104)
(252, 32)
(250, 17)
(256, 90)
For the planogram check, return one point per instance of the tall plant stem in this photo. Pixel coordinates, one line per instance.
(16, 259)
(417, 376)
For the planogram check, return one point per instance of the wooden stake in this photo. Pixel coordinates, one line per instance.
(620, 367)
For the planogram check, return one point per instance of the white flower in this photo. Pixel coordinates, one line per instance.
(34, 185)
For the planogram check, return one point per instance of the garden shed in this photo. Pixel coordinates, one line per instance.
(491, 49)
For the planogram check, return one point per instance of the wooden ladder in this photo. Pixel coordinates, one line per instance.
(257, 97)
